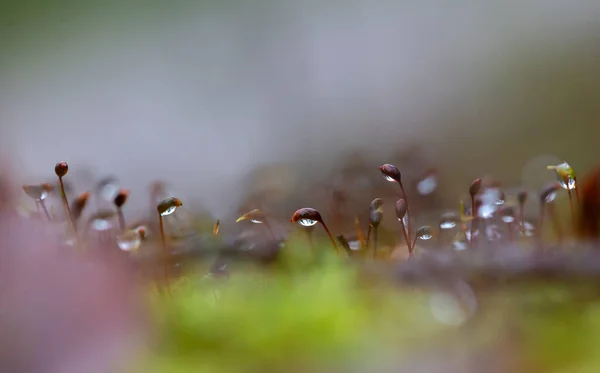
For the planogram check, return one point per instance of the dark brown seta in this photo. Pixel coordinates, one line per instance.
(391, 172)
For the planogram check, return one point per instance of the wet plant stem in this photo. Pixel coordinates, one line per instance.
(69, 215)
(42, 204)
(406, 238)
(408, 215)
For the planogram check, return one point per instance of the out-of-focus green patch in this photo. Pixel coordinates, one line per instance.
(276, 322)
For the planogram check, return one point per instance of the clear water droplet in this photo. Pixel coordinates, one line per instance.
(101, 224)
(169, 211)
(354, 245)
(424, 233)
(508, 219)
(568, 184)
(389, 178)
(130, 241)
(307, 222)
(256, 221)
(427, 185)
(550, 197)
(448, 221)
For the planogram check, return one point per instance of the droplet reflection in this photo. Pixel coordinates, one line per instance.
(448, 221)
(307, 222)
(169, 211)
(424, 233)
(129, 241)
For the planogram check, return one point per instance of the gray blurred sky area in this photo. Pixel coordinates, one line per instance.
(201, 92)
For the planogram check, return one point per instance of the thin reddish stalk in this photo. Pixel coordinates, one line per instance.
(330, 237)
(268, 226)
(165, 254)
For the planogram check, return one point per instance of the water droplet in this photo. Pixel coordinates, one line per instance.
(550, 197)
(508, 214)
(565, 174)
(448, 221)
(129, 241)
(389, 178)
(101, 224)
(255, 221)
(307, 222)
(508, 219)
(424, 233)
(567, 183)
(427, 185)
(169, 211)
(354, 245)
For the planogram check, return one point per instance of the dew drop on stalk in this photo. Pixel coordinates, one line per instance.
(168, 211)
(566, 175)
(102, 221)
(100, 224)
(448, 220)
(129, 241)
(424, 233)
(568, 183)
(508, 214)
(307, 222)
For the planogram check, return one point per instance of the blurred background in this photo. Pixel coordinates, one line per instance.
(281, 104)
(200, 93)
